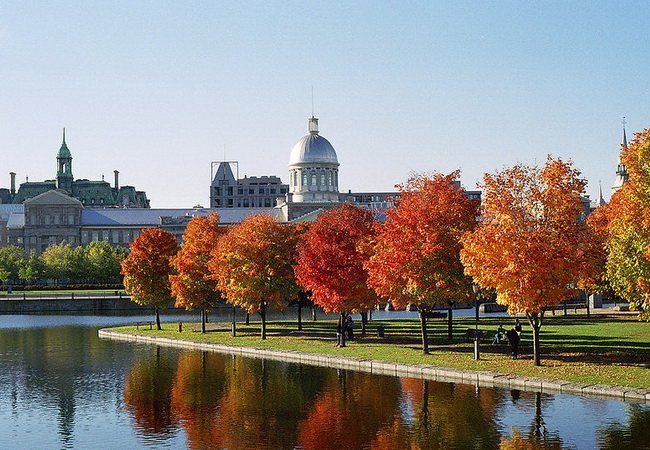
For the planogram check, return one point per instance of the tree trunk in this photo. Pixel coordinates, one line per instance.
(313, 313)
(364, 322)
(587, 303)
(450, 319)
(203, 319)
(234, 323)
(157, 319)
(535, 321)
(299, 315)
(248, 318)
(423, 327)
(263, 316)
(342, 320)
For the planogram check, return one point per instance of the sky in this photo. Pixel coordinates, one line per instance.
(160, 89)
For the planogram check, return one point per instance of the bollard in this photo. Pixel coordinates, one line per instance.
(180, 327)
(477, 352)
(380, 331)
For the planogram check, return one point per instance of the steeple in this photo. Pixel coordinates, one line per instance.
(601, 200)
(64, 176)
(621, 171)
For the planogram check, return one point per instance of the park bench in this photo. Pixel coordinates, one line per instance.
(472, 333)
(143, 323)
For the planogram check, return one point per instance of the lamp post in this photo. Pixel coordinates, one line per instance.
(477, 298)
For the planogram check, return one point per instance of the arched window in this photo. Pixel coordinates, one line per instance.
(295, 178)
(322, 179)
(313, 179)
(304, 179)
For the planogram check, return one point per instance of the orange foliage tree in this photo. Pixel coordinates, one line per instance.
(192, 284)
(416, 256)
(147, 269)
(331, 261)
(527, 245)
(628, 265)
(253, 265)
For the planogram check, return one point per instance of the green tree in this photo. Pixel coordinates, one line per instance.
(103, 260)
(10, 259)
(58, 260)
(31, 268)
(628, 264)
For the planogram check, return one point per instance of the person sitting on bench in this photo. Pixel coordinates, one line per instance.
(500, 335)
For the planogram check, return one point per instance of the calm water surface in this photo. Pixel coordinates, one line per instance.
(62, 387)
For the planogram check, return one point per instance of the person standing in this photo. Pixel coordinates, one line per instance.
(514, 336)
(349, 327)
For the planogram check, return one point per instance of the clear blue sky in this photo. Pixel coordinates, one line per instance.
(158, 89)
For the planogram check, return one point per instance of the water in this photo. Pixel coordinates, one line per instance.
(62, 387)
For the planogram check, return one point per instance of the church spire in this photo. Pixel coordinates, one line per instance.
(621, 171)
(63, 136)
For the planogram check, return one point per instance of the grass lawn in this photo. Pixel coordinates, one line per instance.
(597, 350)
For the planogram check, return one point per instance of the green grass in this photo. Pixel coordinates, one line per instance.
(600, 350)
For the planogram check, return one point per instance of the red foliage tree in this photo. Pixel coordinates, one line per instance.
(192, 284)
(253, 265)
(527, 246)
(416, 257)
(147, 269)
(331, 261)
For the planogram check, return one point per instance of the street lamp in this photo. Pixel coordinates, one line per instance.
(477, 297)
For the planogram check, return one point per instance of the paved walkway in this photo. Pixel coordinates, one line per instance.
(423, 371)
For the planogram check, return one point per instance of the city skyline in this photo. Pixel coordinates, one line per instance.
(158, 92)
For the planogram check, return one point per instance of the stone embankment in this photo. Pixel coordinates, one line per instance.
(423, 371)
(55, 303)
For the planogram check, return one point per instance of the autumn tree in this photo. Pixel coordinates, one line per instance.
(253, 265)
(416, 257)
(192, 284)
(527, 244)
(331, 261)
(628, 265)
(147, 269)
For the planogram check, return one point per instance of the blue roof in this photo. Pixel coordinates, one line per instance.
(151, 217)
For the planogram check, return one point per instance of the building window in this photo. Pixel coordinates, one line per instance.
(322, 179)
(230, 203)
(267, 202)
(230, 190)
(304, 179)
(95, 236)
(240, 191)
(251, 191)
(313, 179)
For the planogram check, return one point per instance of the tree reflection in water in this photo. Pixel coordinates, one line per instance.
(233, 402)
(147, 389)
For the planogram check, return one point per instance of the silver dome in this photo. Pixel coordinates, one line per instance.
(311, 149)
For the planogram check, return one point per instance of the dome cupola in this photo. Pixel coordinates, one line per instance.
(313, 168)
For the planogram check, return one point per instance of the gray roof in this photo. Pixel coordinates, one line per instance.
(7, 209)
(16, 220)
(151, 217)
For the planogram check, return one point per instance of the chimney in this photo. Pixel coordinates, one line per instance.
(13, 182)
(117, 179)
